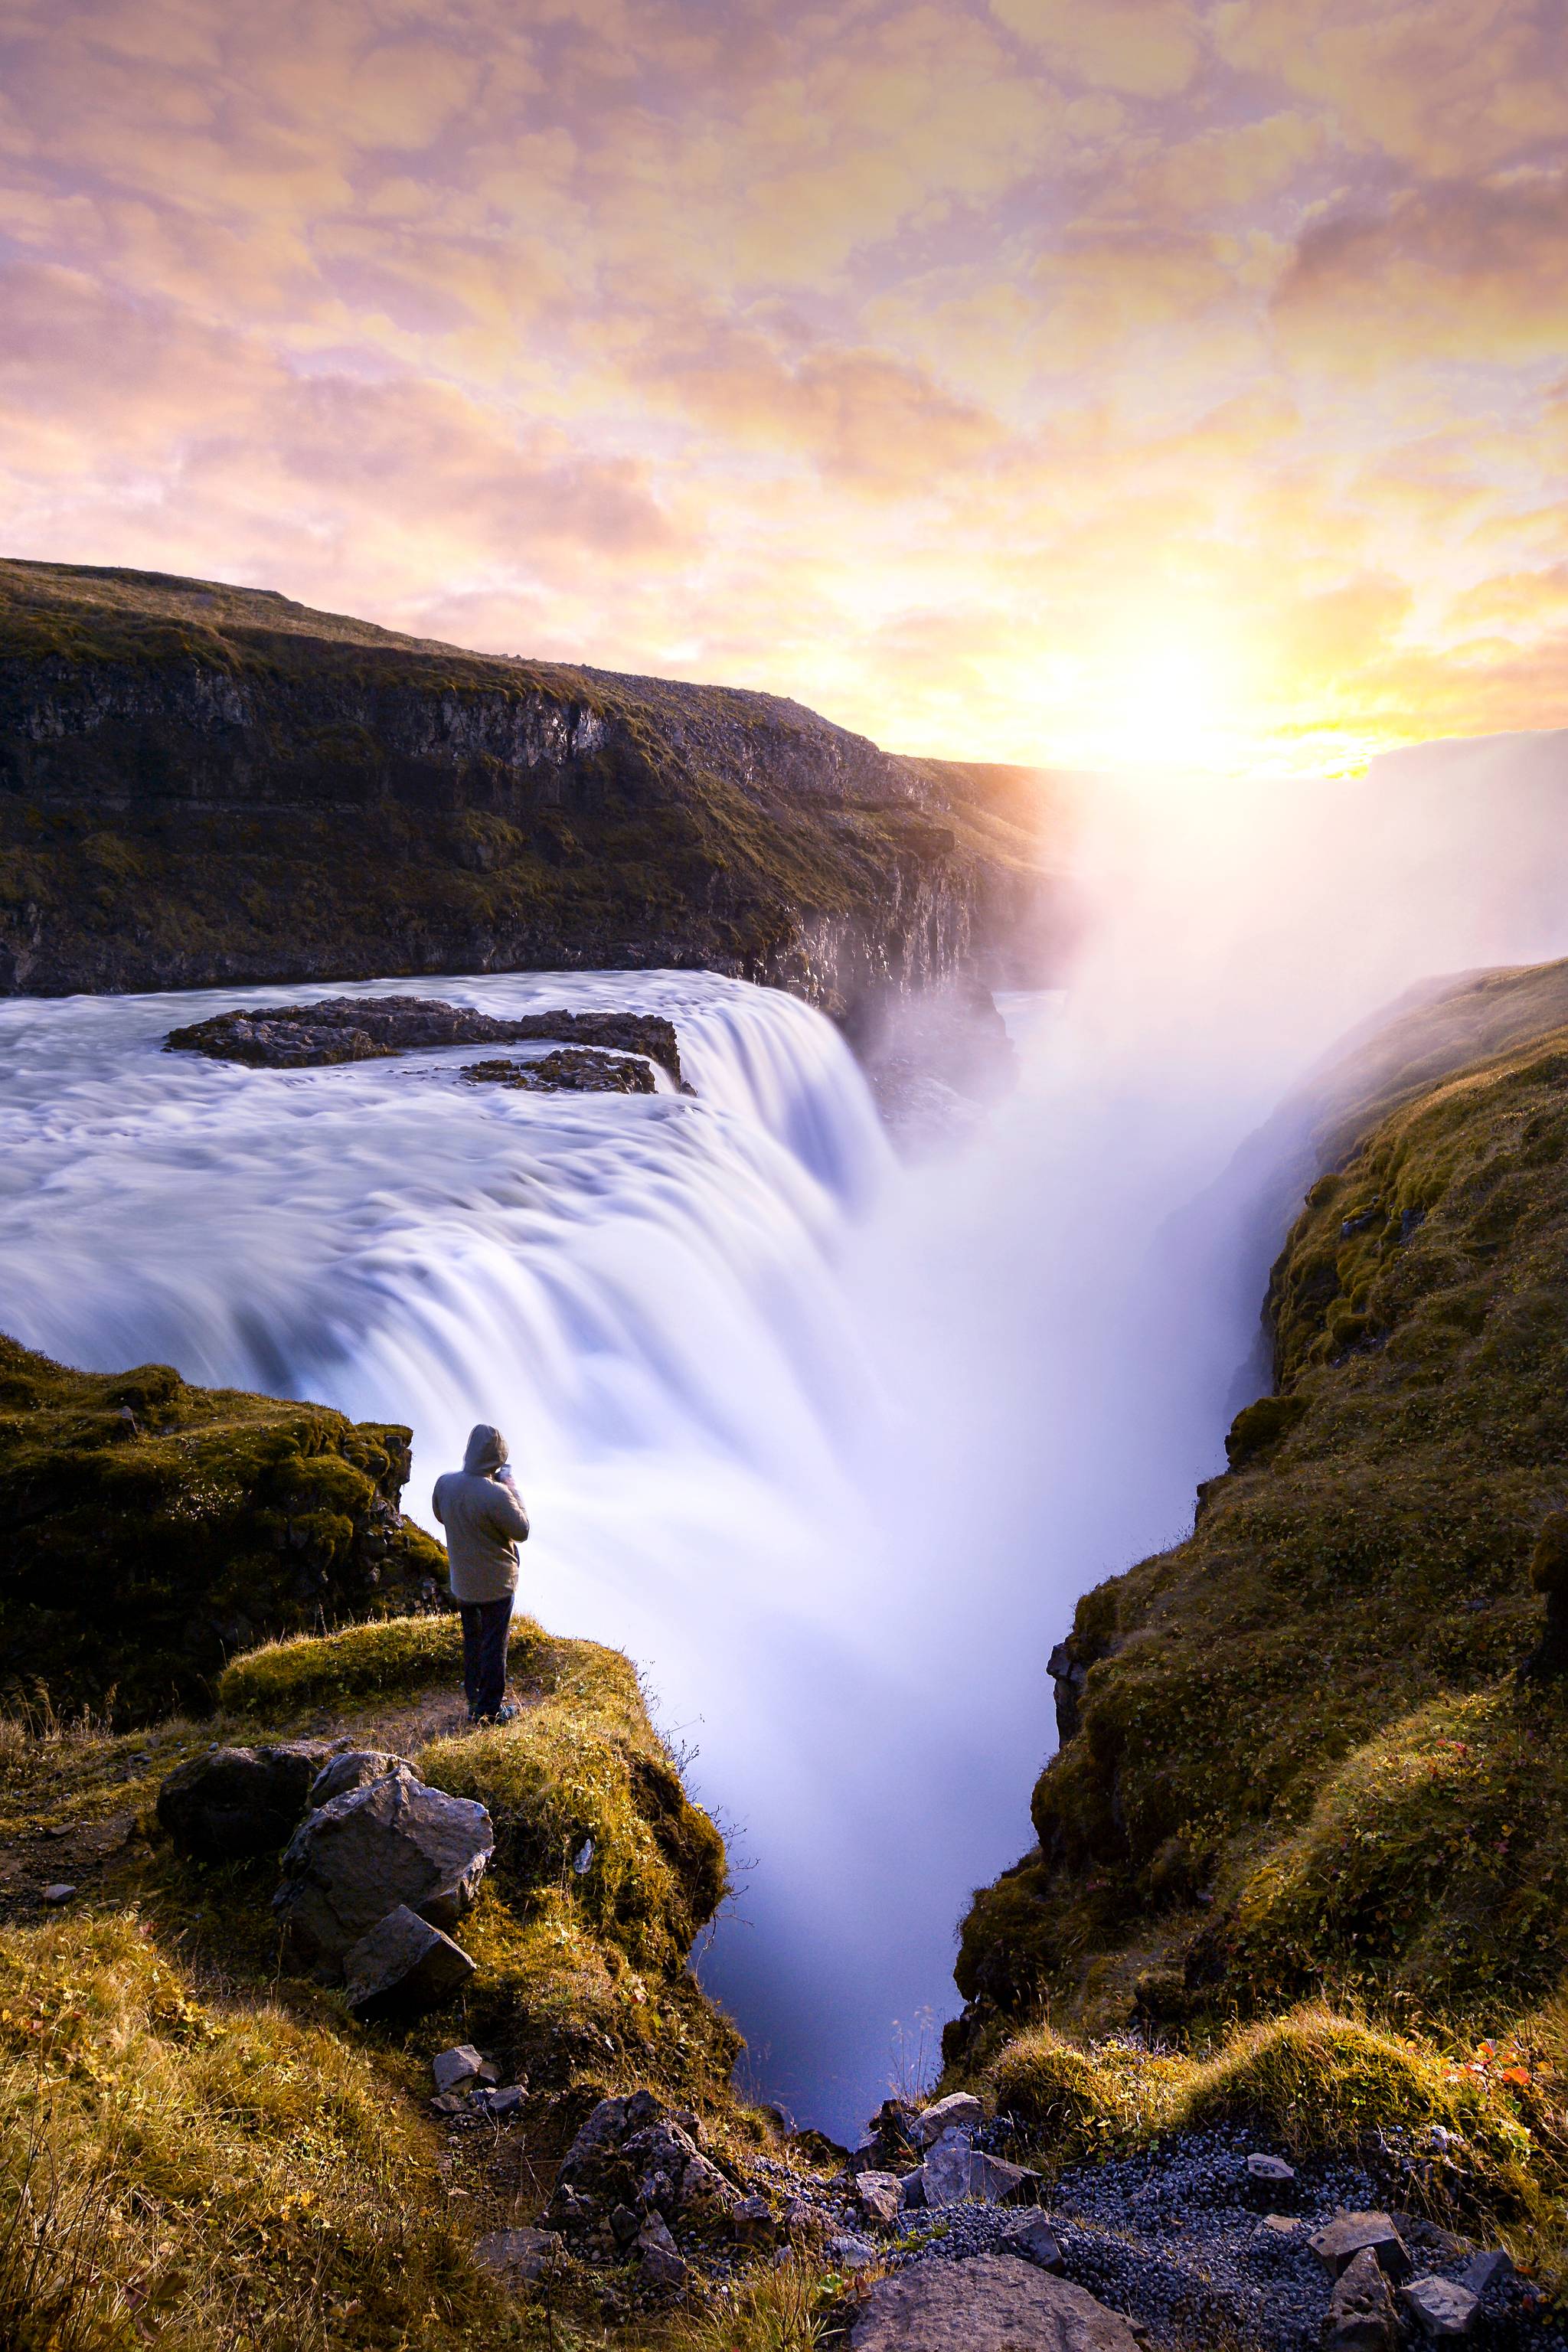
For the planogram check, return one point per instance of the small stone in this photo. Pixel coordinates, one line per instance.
(497, 2104)
(1344, 2237)
(962, 2111)
(516, 2254)
(800, 2217)
(850, 2252)
(1270, 2168)
(625, 2223)
(1441, 2307)
(912, 2190)
(1487, 2270)
(1361, 2317)
(879, 2193)
(945, 2175)
(1032, 2237)
(659, 2254)
(60, 1892)
(404, 1966)
(454, 2069)
(449, 2103)
(1284, 2225)
(751, 2219)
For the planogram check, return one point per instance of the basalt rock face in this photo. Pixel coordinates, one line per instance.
(201, 783)
(148, 1529)
(376, 1028)
(1319, 1747)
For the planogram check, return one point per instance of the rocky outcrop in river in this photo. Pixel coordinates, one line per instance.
(201, 783)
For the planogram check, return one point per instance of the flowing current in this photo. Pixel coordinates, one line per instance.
(828, 1444)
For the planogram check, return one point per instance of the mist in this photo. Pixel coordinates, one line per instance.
(1062, 1318)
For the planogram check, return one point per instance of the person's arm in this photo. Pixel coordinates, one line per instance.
(435, 1501)
(507, 1514)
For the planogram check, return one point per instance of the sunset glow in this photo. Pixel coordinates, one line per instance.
(1025, 381)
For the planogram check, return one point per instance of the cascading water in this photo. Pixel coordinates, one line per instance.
(831, 1446)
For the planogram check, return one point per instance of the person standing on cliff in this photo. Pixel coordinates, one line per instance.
(482, 1513)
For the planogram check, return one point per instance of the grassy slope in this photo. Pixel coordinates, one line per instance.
(1305, 1766)
(248, 2166)
(185, 759)
(136, 1553)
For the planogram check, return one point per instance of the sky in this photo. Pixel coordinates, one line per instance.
(1115, 382)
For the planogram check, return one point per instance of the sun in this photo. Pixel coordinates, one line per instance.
(1172, 702)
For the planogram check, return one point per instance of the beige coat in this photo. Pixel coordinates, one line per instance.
(484, 1520)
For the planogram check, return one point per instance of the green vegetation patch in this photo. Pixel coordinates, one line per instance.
(150, 1528)
(380, 1659)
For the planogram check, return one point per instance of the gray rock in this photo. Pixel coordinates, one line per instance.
(1487, 2270)
(404, 1966)
(60, 1892)
(1339, 2241)
(954, 2171)
(1441, 2307)
(519, 2254)
(1032, 2236)
(1282, 2225)
(962, 2111)
(230, 1802)
(498, 2105)
(1270, 2169)
(658, 2256)
(990, 2304)
(881, 2194)
(850, 2252)
(457, 2068)
(393, 1842)
(1362, 2317)
(356, 1769)
(912, 2190)
(751, 2219)
(800, 2217)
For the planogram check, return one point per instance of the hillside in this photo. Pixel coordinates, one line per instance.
(202, 783)
(1298, 1757)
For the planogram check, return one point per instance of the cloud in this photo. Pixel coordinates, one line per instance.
(1142, 49)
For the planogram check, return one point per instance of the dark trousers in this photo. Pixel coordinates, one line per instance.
(485, 1628)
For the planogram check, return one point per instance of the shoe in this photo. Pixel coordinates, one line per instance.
(508, 1712)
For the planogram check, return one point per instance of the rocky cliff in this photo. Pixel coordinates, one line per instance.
(1317, 1749)
(201, 783)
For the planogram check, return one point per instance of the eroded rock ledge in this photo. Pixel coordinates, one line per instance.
(373, 1028)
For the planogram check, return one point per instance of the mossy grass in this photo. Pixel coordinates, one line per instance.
(380, 1659)
(150, 1525)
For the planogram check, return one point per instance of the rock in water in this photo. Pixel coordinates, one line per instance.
(392, 1841)
(990, 2304)
(1362, 2317)
(404, 1966)
(961, 2112)
(239, 1800)
(574, 1069)
(370, 1028)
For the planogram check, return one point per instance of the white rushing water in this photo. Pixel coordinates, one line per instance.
(828, 1446)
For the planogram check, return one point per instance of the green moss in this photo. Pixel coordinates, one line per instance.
(379, 1660)
(151, 1527)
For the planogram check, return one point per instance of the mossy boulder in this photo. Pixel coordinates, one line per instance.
(152, 1528)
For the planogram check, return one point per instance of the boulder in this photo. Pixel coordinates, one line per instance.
(366, 1028)
(573, 1069)
(404, 1966)
(961, 2112)
(456, 2069)
(751, 2219)
(881, 2194)
(1362, 2317)
(1441, 2308)
(658, 2254)
(394, 1841)
(1487, 2270)
(1032, 2237)
(520, 2254)
(954, 2171)
(356, 1769)
(989, 2304)
(230, 1802)
(1340, 2240)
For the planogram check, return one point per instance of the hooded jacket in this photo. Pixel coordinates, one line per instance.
(484, 1520)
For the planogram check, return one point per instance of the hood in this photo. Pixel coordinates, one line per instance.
(487, 1451)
